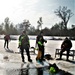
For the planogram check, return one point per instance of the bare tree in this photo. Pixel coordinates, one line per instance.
(39, 23)
(26, 24)
(73, 26)
(7, 23)
(65, 14)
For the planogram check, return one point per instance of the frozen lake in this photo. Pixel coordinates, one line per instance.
(50, 47)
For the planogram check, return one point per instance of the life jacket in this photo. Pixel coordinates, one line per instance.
(24, 40)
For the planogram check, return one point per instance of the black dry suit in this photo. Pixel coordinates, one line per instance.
(66, 46)
(24, 44)
(40, 41)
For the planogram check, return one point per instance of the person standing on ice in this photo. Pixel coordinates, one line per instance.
(40, 42)
(24, 44)
(6, 38)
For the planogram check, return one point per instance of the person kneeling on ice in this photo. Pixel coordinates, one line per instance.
(65, 46)
(24, 44)
(40, 42)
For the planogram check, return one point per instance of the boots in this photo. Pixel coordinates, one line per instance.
(29, 60)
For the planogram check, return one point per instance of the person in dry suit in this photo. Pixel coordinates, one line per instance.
(24, 44)
(40, 42)
(66, 46)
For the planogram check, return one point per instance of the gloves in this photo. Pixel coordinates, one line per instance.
(45, 41)
(19, 46)
(28, 45)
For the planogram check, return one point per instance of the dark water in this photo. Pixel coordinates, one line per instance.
(27, 72)
(35, 71)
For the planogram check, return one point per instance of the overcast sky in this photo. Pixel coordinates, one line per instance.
(19, 10)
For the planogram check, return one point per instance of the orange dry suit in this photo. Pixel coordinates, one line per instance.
(40, 41)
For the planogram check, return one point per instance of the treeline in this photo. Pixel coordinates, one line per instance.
(56, 30)
(8, 28)
(60, 29)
